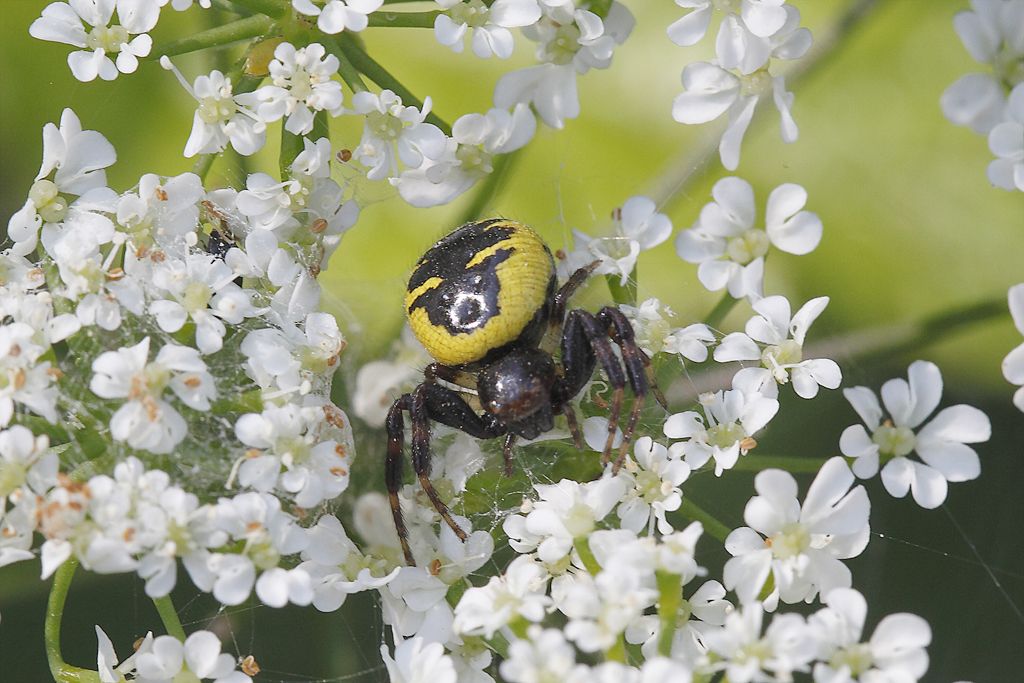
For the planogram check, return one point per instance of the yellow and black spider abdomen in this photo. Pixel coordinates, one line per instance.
(483, 288)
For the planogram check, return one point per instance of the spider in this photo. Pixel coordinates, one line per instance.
(485, 303)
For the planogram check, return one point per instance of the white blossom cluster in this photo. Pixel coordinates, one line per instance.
(991, 103)
(170, 338)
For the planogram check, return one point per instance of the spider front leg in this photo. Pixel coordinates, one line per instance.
(585, 343)
(427, 402)
(637, 365)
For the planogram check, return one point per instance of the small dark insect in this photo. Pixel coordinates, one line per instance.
(485, 303)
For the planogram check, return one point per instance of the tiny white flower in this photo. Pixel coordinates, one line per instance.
(991, 33)
(730, 248)
(146, 420)
(487, 26)
(520, 592)
(339, 15)
(73, 165)
(654, 478)
(726, 430)
(941, 444)
(799, 546)
(419, 661)
(394, 132)
(565, 511)
(746, 655)
(543, 656)
(86, 24)
(219, 120)
(199, 657)
(638, 227)
(301, 84)
(711, 91)
(894, 652)
(1006, 141)
(782, 336)
(1013, 364)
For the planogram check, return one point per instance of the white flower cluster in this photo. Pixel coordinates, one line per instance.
(752, 34)
(174, 334)
(992, 103)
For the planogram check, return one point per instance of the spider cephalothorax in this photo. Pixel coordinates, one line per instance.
(484, 301)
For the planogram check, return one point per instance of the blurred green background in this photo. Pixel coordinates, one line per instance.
(912, 229)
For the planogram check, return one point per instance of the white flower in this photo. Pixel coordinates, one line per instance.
(468, 155)
(731, 249)
(1013, 364)
(488, 26)
(895, 651)
(543, 656)
(301, 84)
(991, 33)
(638, 227)
(1006, 140)
(941, 444)
(600, 608)
(711, 91)
(73, 163)
(336, 566)
(146, 421)
(566, 511)
(23, 379)
(170, 659)
(570, 41)
(798, 545)
(200, 287)
(394, 132)
(292, 450)
(655, 477)
(783, 340)
(732, 418)
(520, 592)
(413, 603)
(785, 647)
(163, 210)
(219, 120)
(339, 15)
(419, 661)
(66, 22)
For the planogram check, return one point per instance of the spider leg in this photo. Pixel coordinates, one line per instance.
(420, 419)
(566, 291)
(637, 367)
(395, 426)
(449, 374)
(584, 343)
(574, 427)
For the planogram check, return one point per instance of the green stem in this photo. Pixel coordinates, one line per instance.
(348, 72)
(711, 523)
(939, 326)
(242, 29)
(622, 293)
(272, 8)
(757, 463)
(62, 672)
(291, 147)
(582, 546)
(379, 75)
(670, 597)
(404, 19)
(721, 309)
(169, 617)
(490, 187)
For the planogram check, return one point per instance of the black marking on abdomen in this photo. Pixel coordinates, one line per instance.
(467, 299)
